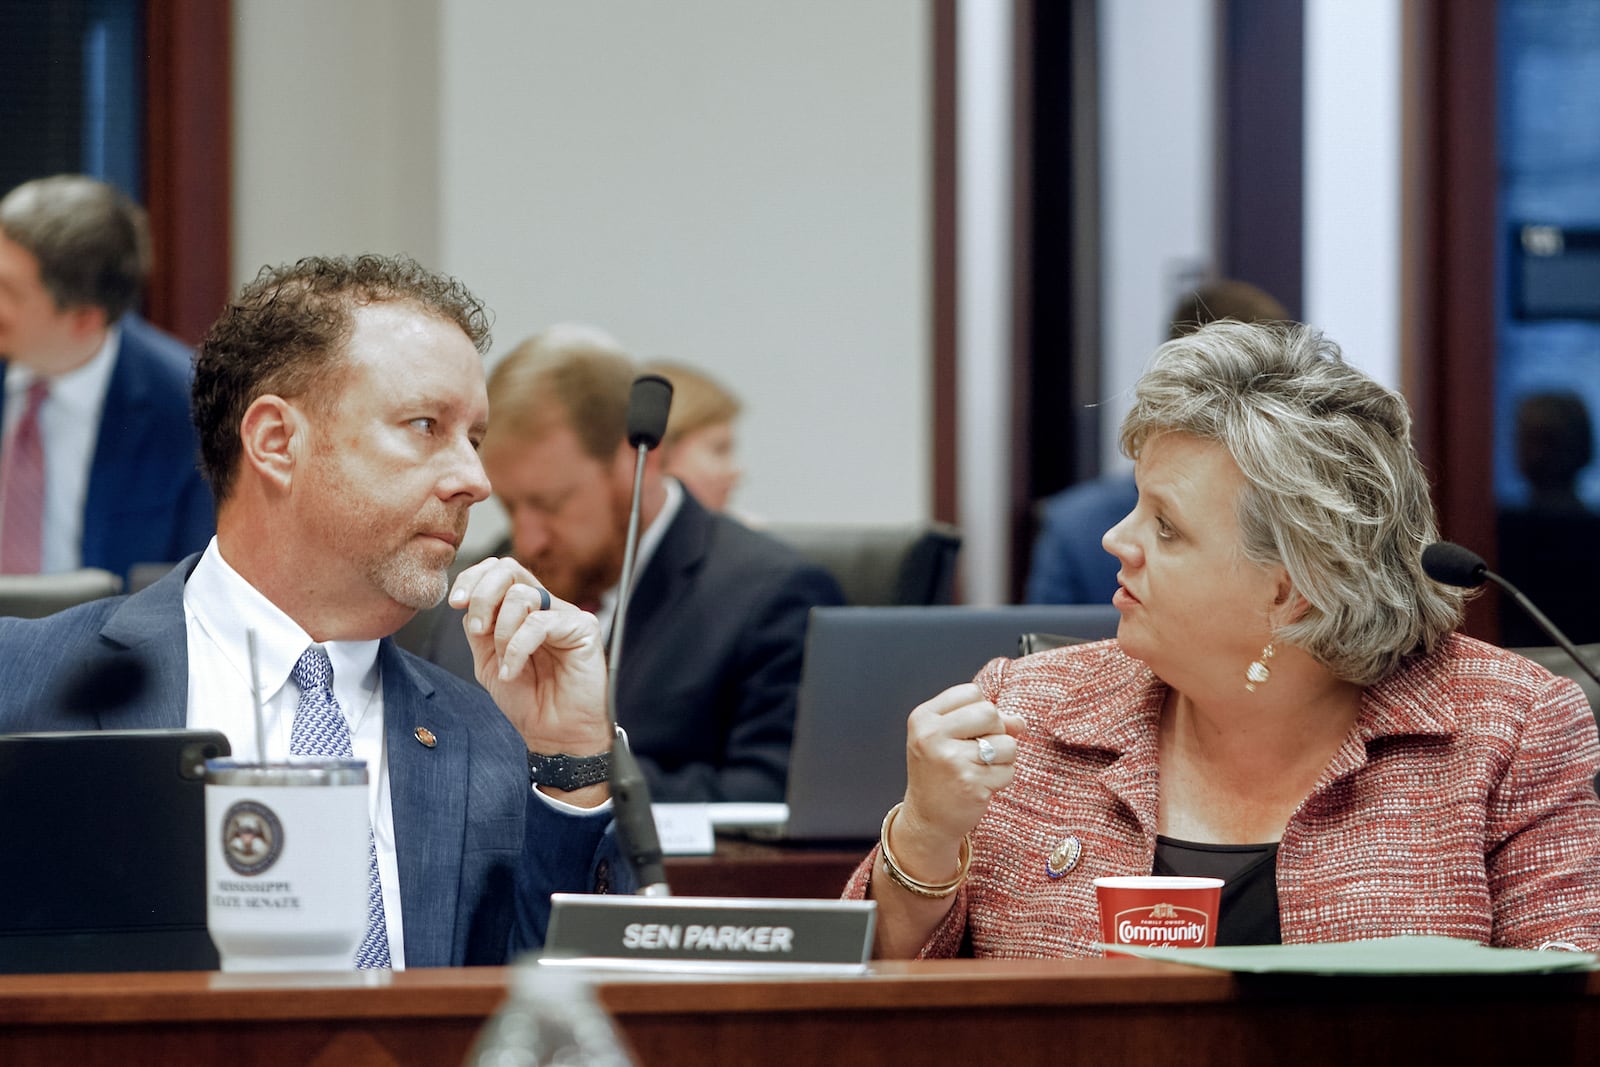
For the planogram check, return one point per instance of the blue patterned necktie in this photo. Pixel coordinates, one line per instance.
(320, 729)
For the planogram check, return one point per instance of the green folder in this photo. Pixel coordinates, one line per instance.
(1390, 955)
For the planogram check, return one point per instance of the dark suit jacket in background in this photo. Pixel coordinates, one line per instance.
(1553, 555)
(478, 853)
(710, 660)
(147, 500)
(1069, 565)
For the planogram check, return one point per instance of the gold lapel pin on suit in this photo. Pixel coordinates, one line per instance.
(1064, 857)
(425, 736)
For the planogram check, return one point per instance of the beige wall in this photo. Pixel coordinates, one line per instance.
(335, 143)
(741, 184)
(745, 183)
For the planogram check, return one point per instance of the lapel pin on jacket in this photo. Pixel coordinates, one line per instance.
(425, 735)
(1064, 857)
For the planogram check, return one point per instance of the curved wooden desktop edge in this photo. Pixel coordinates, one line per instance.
(934, 1012)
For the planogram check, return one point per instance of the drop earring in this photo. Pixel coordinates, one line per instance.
(1258, 672)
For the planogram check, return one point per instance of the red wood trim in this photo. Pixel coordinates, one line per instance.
(1062, 1012)
(188, 146)
(1448, 248)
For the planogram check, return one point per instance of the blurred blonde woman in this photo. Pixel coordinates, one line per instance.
(698, 448)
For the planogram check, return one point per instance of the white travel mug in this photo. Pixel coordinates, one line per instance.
(286, 863)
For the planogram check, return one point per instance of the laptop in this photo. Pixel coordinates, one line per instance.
(103, 851)
(863, 672)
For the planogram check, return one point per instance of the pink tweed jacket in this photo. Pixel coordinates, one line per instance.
(1462, 804)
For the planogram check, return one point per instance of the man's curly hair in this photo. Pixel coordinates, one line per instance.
(286, 334)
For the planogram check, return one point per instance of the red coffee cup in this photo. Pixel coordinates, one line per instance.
(1155, 909)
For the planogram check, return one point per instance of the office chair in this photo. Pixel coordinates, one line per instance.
(33, 596)
(1030, 643)
(1079, 624)
(880, 564)
(142, 575)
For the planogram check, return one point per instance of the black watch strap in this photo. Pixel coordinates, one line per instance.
(567, 773)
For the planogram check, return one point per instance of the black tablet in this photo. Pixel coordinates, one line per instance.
(102, 851)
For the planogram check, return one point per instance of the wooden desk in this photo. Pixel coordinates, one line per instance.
(744, 868)
(946, 1012)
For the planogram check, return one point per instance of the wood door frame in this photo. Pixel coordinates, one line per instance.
(188, 152)
(1448, 214)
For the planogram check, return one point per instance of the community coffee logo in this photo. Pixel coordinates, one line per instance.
(252, 837)
(1172, 925)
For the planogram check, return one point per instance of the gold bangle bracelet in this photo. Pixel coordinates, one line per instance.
(911, 885)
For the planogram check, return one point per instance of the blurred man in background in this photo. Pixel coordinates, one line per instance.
(717, 623)
(1547, 545)
(98, 457)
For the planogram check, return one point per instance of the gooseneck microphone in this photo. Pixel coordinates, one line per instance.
(1451, 564)
(648, 403)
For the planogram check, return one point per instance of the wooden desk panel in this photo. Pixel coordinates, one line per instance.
(758, 869)
(421, 1017)
(1046, 1012)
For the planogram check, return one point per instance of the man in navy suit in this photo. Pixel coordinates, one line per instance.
(107, 393)
(339, 405)
(717, 621)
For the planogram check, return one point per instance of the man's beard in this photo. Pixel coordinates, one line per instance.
(415, 582)
(409, 581)
(584, 581)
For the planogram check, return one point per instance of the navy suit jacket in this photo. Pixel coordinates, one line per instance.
(1070, 566)
(479, 853)
(710, 660)
(716, 633)
(147, 500)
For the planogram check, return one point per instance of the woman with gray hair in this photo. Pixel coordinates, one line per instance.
(1285, 705)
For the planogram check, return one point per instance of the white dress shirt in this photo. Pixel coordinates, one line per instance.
(219, 607)
(69, 425)
(649, 540)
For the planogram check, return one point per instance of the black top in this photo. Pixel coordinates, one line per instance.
(1248, 914)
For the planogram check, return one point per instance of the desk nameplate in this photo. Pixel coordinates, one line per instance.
(710, 933)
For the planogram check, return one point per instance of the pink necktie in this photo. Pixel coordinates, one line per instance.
(22, 490)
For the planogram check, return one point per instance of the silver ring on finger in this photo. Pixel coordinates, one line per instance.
(544, 599)
(986, 751)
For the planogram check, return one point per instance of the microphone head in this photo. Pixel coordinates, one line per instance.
(1449, 563)
(648, 404)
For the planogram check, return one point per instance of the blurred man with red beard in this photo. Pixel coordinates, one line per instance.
(340, 404)
(716, 626)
